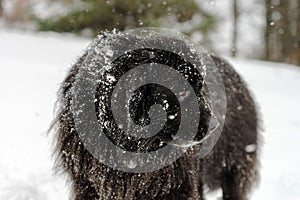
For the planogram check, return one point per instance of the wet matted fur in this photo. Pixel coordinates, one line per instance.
(228, 166)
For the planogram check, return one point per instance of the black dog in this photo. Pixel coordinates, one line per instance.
(232, 165)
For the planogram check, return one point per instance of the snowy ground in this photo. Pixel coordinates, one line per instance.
(33, 65)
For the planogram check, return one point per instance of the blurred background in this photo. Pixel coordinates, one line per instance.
(41, 39)
(260, 29)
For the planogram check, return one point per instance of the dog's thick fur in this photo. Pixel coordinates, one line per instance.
(228, 166)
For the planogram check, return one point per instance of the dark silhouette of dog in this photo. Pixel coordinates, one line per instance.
(232, 165)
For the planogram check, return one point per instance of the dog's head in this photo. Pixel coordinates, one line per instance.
(150, 98)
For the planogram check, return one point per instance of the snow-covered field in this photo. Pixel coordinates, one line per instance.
(33, 65)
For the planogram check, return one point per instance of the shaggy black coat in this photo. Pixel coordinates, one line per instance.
(230, 165)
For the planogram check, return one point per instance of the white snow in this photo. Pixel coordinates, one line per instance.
(32, 66)
(171, 116)
(250, 148)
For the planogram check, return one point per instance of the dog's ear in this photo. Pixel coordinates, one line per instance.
(205, 117)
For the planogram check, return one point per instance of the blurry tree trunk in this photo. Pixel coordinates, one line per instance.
(19, 11)
(268, 7)
(295, 57)
(282, 31)
(298, 23)
(287, 40)
(1, 8)
(235, 28)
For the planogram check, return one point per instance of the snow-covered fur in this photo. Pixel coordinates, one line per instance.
(232, 165)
